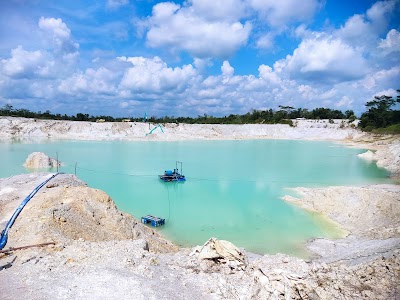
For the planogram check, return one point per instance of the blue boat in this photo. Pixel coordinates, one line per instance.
(171, 176)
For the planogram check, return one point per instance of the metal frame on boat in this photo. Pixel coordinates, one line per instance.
(170, 176)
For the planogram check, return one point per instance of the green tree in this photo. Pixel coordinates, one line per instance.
(380, 113)
(83, 117)
(348, 114)
(7, 110)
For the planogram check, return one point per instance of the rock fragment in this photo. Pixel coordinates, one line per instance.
(39, 160)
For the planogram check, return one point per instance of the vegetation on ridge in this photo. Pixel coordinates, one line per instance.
(284, 115)
(379, 118)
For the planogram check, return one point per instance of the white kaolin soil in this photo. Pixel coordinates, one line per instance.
(100, 252)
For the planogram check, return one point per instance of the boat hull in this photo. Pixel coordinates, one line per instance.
(174, 178)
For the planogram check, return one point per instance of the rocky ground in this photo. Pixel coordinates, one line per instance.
(98, 252)
(366, 211)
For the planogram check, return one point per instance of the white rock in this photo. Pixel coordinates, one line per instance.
(369, 155)
(214, 249)
(38, 160)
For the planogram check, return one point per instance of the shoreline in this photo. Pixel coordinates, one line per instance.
(386, 148)
(372, 238)
(91, 236)
(343, 133)
(368, 213)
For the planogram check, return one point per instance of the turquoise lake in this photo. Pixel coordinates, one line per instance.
(232, 191)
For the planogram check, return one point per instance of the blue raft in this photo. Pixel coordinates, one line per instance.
(154, 221)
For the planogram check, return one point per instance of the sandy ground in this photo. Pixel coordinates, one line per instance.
(20, 128)
(100, 252)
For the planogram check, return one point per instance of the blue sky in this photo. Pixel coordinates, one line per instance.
(195, 57)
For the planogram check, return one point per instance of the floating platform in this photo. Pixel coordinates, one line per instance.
(155, 221)
(174, 175)
(169, 176)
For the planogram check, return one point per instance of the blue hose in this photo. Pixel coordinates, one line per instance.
(10, 223)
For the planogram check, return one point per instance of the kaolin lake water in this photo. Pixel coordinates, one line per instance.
(233, 188)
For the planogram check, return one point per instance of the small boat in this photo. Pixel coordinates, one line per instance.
(170, 176)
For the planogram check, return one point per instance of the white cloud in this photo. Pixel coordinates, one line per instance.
(124, 104)
(325, 60)
(25, 64)
(378, 14)
(164, 10)
(138, 84)
(356, 28)
(306, 91)
(56, 27)
(342, 68)
(345, 102)
(100, 81)
(54, 61)
(114, 4)
(381, 78)
(303, 32)
(265, 42)
(226, 69)
(42, 90)
(266, 73)
(388, 92)
(180, 28)
(59, 33)
(201, 64)
(280, 13)
(197, 24)
(364, 29)
(391, 43)
(154, 76)
(211, 93)
(217, 10)
(328, 94)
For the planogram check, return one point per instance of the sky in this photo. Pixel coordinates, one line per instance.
(188, 58)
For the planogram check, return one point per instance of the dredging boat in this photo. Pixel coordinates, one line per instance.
(175, 175)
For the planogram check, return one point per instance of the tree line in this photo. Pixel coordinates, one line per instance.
(282, 115)
(9, 110)
(380, 114)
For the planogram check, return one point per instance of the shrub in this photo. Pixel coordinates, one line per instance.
(352, 118)
(286, 121)
(368, 128)
(392, 129)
